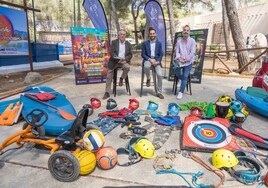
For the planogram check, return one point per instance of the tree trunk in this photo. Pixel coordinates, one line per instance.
(171, 19)
(78, 13)
(226, 30)
(115, 16)
(236, 30)
(135, 16)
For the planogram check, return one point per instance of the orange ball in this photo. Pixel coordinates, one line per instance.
(106, 158)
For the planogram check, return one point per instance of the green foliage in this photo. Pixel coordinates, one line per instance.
(214, 47)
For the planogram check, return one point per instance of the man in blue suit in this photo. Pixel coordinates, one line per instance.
(152, 55)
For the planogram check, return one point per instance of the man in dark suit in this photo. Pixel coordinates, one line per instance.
(120, 56)
(152, 55)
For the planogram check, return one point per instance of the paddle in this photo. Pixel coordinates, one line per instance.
(236, 129)
(63, 113)
(18, 92)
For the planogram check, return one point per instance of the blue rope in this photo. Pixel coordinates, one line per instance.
(195, 177)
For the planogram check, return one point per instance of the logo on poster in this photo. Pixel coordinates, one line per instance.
(6, 30)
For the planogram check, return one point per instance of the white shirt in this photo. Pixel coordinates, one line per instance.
(122, 50)
(152, 44)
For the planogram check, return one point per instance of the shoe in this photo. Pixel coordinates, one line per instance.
(120, 82)
(179, 84)
(106, 95)
(159, 95)
(148, 82)
(179, 96)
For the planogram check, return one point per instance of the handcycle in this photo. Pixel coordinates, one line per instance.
(62, 164)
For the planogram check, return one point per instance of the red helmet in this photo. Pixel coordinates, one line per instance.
(133, 104)
(95, 103)
(196, 111)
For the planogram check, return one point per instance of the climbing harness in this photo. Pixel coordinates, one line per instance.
(164, 164)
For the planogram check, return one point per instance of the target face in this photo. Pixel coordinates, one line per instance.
(207, 134)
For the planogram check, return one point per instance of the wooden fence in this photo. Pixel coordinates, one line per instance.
(240, 70)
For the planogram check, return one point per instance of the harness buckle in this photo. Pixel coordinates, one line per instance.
(186, 154)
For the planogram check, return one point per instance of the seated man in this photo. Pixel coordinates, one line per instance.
(152, 55)
(184, 59)
(120, 56)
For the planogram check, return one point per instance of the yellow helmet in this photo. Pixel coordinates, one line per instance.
(223, 158)
(145, 148)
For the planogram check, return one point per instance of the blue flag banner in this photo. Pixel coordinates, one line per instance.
(96, 13)
(154, 14)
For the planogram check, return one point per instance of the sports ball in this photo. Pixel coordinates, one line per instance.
(93, 140)
(236, 106)
(106, 158)
(225, 98)
(87, 161)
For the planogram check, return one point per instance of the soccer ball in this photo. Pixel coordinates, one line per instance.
(225, 98)
(236, 106)
(87, 161)
(106, 158)
(93, 140)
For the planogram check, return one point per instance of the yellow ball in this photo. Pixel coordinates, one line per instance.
(87, 161)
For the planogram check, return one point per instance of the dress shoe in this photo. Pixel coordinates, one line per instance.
(106, 95)
(159, 95)
(148, 83)
(120, 81)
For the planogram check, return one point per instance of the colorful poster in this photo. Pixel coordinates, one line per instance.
(200, 37)
(154, 14)
(91, 54)
(13, 32)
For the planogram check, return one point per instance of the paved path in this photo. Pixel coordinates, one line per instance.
(28, 168)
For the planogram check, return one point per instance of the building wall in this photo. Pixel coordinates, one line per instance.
(252, 20)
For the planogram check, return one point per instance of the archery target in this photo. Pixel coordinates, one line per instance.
(208, 134)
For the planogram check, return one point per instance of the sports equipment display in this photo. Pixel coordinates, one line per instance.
(225, 98)
(87, 161)
(257, 104)
(145, 148)
(224, 158)
(95, 102)
(106, 158)
(133, 104)
(206, 134)
(56, 124)
(236, 106)
(173, 109)
(93, 140)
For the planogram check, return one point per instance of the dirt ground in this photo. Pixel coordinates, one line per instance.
(14, 81)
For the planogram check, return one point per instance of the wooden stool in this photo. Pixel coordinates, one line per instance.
(152, 83)
(188, 85)
(116, 84)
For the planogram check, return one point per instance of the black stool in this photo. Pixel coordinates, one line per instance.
(152, 83)
(116, 84)
(188, 85)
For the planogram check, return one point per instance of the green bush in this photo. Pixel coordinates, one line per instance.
(214, 47)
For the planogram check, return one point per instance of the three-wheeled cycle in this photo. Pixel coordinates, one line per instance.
(62, 164)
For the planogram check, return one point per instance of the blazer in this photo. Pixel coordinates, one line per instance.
(146, 51)
(114, 50)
